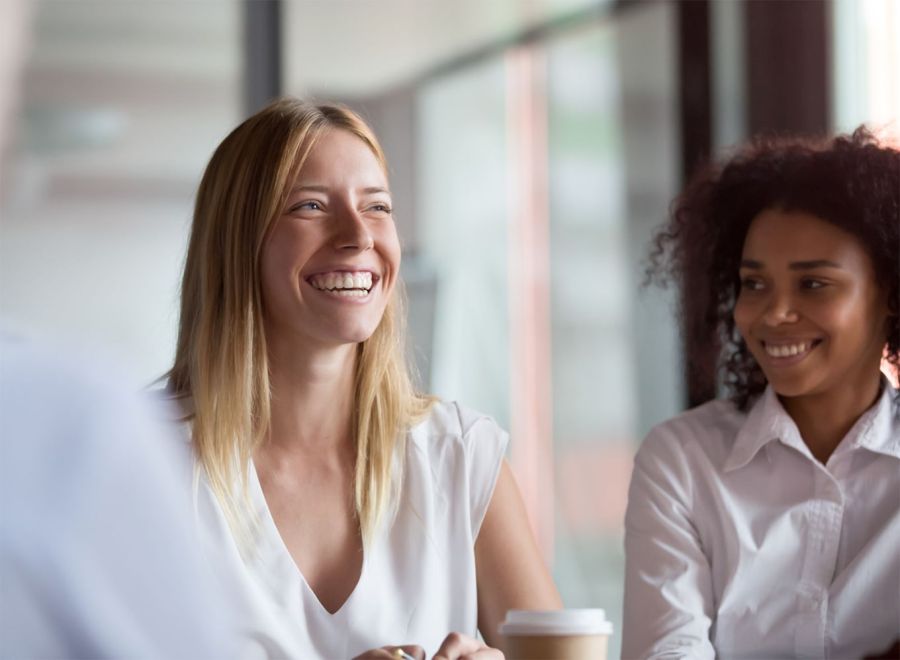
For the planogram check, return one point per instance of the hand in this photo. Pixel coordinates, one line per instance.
(460, 647)
(391, 653)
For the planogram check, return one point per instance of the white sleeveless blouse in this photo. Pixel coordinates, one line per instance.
(418, 576)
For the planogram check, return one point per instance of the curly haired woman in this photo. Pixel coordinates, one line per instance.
(767, 524)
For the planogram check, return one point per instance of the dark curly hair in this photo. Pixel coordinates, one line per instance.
(851, 181)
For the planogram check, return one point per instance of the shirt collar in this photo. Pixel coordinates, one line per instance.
(877, 430)
(767, 421)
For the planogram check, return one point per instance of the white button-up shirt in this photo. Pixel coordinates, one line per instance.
(739, 543)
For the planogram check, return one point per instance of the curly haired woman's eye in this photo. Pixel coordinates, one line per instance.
(751, 284)
(812, 283)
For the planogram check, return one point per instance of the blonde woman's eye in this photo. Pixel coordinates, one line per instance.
(309, 205)
(381, 208)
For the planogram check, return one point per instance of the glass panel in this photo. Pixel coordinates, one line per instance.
(589, 119)
(123, 103)
(612, 162)
(866, 65)
(462, 234)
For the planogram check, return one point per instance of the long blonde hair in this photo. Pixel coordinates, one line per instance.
(221, 360)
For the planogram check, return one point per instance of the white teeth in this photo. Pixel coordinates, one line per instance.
(358, 283)
(788, 350)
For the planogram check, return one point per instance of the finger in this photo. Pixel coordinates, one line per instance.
(375, 654)
(485, 653)
(413, 650)
(456, 645)
(394, 653)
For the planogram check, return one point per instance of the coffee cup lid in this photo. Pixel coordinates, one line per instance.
(556, 622)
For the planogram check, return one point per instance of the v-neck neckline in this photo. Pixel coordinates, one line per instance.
(268, 521)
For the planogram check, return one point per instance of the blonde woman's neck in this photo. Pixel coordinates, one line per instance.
(312, 398)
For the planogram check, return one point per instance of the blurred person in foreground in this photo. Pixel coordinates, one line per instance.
(98, 555)
(351, 514)
(767, 524)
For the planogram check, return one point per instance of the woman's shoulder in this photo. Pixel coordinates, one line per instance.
(455, 455)
(451, 419)
(708, 430)
(452, 426)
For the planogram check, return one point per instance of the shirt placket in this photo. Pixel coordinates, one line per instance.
(826, 512)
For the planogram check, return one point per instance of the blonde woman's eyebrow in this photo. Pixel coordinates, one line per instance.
(297, 189)
(324, 189)
(371, 190)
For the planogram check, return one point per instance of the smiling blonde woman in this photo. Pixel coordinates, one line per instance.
(348, 513)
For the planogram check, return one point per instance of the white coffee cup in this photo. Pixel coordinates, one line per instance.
(575, 634)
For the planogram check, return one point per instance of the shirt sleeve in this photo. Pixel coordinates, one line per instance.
(485, 444)
(668, 589)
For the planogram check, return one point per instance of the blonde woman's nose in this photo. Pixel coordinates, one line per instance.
(352, 232)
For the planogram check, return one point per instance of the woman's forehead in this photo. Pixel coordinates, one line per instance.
(780, 236)
(335, 150)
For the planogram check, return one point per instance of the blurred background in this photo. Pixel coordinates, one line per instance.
(534, 146)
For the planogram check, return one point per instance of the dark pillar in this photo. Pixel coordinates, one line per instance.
(787, 66)
(695, 75)
(262, 53)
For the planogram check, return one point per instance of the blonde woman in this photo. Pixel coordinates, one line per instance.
(349, 514)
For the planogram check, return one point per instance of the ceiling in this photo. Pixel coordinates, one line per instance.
(358, 47)
(125, 95)
(344, 47)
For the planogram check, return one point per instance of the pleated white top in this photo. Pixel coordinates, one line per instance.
(418, 576)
